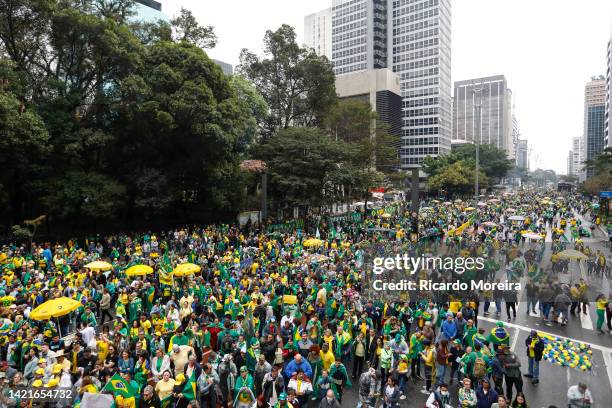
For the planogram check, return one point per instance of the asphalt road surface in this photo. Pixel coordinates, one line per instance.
(554, 379)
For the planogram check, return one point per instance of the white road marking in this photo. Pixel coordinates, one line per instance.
(607, 356)
(585, 320)
(515, 340)
(528, 329)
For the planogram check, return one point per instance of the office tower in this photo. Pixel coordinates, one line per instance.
(380, 88)
(318, 32)
(575, 159)
(496, 125)
(227, 69)
(522, 154)
(413, 38)
(149, 11)
(594, 119)
(608, 96)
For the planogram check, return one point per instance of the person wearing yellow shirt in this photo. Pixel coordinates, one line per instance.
(102, 347)
(165, 387)
(601, 302)
(327, 356)
(428, 358)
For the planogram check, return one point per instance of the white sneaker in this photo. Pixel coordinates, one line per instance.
(425, 392)
(402, 397)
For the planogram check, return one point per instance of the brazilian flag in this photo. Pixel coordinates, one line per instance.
(189, 391)
(118, 386)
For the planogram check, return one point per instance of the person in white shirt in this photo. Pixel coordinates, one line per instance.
(579, 396)
(301, 385)
(89, 336)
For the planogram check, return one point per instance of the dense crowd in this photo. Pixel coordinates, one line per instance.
(285, 316)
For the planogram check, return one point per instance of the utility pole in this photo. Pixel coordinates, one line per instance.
(478, 109)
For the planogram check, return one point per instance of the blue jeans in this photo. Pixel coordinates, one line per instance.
(534, 368)
(440, 374)
(402, 383)
(531, 304)
(546, 310)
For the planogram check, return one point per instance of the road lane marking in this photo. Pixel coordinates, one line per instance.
(515, 340)
(607, 357)
(528, 329)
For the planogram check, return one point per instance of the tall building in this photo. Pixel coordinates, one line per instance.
(594, 119)
(149, 10)
(495, 99)
(413, 38)
(227, 69)
(318, 32)
(575, 159)
(522, 154)
(380, 88)
(608, 102)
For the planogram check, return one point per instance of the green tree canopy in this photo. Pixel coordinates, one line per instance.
(297, 84)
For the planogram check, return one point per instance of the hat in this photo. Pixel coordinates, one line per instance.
(243, 369)
(57, 368)
(158, 333)
(180, 377)
(59, 353)
(37, 383)
(42, 360)
(54, 382)
(499, 324)
(282, 396)
(40, 371)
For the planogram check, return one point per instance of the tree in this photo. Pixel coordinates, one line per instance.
(493, 161)
(186, 28)
(602, 163)
(256, 109)
(297, 84)
(302, 162)
(456, 179)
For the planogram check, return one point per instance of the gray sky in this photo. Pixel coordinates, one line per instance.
(547, 49)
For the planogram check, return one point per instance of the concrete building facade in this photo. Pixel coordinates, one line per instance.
(522, 154)
(575, 159)
(413, 39)
(495, 98)
(380, 88)
(594, 119)
(318, 32)
(608, 97)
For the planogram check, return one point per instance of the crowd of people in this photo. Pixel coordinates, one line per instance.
(285, 317)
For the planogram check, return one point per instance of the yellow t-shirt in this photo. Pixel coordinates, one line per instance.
(102, 350)
(327, 358)
(164, 388)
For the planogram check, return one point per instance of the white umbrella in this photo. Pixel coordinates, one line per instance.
(517, 218)
(481, 204)
(532, 235)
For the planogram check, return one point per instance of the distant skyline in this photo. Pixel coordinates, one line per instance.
(548, 50)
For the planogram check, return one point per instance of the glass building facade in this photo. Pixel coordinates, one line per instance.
(595, 133)
(413, 38)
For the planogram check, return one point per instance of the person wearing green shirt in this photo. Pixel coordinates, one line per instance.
(244, 380)
(179, 339)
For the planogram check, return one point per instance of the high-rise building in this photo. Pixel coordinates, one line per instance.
(413, 38)
(574, 160)
(380, 88)
(496, 125)
(149, 11)
(522, 154)
(227, 69)
(608, 102)
(594, 119)
(318, 32)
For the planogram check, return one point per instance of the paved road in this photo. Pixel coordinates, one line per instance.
(554, 380)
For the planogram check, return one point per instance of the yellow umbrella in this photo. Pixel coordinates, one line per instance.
(572, 254)
(139, 270)
(99, 266)
(386, 215)
(55, 308)
(186, 269)
(469, 209)
(312, 242)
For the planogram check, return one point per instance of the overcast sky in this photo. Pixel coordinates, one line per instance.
(547, 49)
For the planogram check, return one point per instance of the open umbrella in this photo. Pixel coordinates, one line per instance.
(481, 204)
(386, 215)
(312, 242)
(139, 270)
(55, 308)
(510, 210)
(489, 224)
(99, 266)
(458, 200)
(447, 203)
(185, 269)
(531, 235)
(469, 209)
(517, 218)
(572, 254)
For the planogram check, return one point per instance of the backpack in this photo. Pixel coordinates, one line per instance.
(480, 367)
(228, 344)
